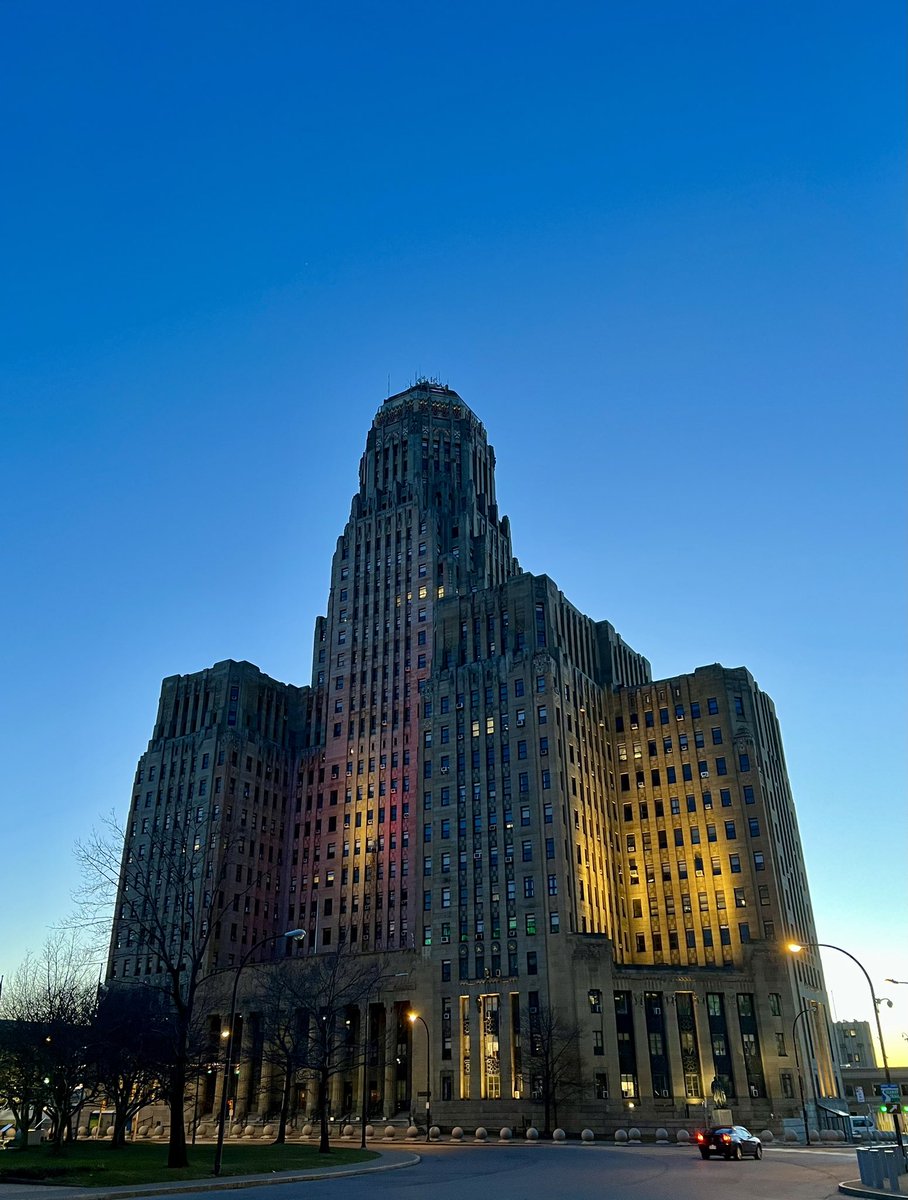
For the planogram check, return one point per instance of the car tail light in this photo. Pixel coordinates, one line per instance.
(699, 1137)
(726, 1137)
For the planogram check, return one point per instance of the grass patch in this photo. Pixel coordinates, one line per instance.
(89, 1164)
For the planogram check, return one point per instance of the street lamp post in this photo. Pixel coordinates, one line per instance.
(794, 1037)
(297, 935)
(413, 1018)
(796, 948)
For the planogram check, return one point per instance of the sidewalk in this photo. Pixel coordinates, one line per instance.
(389, 1160)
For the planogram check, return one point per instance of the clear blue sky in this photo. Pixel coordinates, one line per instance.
(656, 246)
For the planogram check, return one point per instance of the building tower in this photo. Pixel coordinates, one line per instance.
(423, 526)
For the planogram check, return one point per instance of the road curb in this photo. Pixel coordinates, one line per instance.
(860, 1189)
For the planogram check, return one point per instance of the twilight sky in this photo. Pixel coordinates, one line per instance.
(656, 246)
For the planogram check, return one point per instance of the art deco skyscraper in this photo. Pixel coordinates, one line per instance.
(488, 786)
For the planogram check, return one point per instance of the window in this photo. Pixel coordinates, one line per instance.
(529, 887)
(595, 997)
(526, 851)
(717, 737)
(759, 861)
(753, 826)
(744, 762)
(730, 831)
(721, 768)
(532, 963)
(712, 706)
(598, 1047)
(734, 863)
(740, 899)
(748, 794)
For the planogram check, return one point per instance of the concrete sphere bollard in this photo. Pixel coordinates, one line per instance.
(389, 1133)
(767, 1136)
(682, 1137)
(814, 1135)
(434, 1133)
(236, 1130)
(504, 1134)
(790, 1135)
(662, 1135)
(307, 1130)
(481, 1133)
(250, 1131)
(82, 1131)
(587, 1135)
(348, 1131)
(370, 1131)
(559, 1135)
(532, 1134)
(633, 1134)
(827, 1135)
(621, 1137)
(268, 1131)
(456, 1134)
(412, 1132)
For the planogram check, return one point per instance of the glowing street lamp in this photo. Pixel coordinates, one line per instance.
(413, 1018)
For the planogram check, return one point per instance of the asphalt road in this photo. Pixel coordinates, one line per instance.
(576, 1172)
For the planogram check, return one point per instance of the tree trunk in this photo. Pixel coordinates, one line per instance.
(323, 1145)
(21, 1114)
(176, 1151)
(121, 1116)
(285, 1108)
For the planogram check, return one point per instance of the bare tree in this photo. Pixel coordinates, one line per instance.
(22, 1060)
(167, 898)
(310, 1007)
(49, 1009)
(550, 1060)
(129, 1051)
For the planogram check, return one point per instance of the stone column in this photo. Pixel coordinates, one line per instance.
(243, 1060)
(504, 1046)
(311, 1099)
(266, 1101)
(673, 1049)
(389, 1102)
(336, 1096)
(641, 1046)
(705, 1048)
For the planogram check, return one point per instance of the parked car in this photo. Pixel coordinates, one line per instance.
(862, 1128)
(731, 1141)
